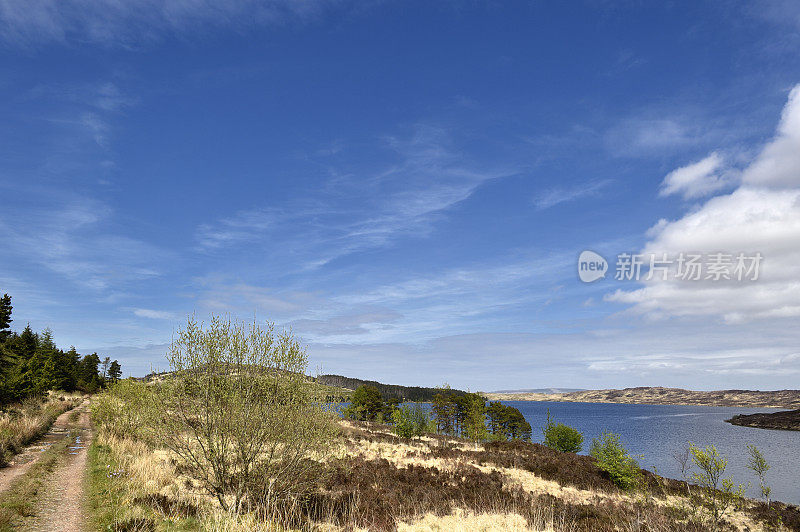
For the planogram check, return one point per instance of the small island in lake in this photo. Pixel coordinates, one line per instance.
(785, 420)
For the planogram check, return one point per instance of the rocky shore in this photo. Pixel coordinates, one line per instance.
(787, 420)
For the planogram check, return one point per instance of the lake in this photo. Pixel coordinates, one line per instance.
(658, 431)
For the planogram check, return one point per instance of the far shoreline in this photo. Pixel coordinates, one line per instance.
(786, 399)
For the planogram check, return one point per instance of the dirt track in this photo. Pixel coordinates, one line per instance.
(59, 506)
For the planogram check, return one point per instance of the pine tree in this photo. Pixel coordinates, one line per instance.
(7, 358)
(43, 365)
(5, 317)
(114, 371)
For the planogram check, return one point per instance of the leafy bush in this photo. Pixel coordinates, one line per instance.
(562, 437)
(125, 409)
(612, 458)
(410, 421)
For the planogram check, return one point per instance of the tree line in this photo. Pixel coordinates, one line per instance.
(452, 412)
(389, 391)
(31, 363)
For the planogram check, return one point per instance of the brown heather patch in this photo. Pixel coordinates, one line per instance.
(378, 495)
(573, 480)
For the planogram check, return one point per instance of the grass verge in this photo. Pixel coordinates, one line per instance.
(115, 504)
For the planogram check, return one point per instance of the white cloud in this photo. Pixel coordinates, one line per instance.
(762, 215)
(696, 355)
(778, 165)
(695, 180)
(242, 227)
(153, 314)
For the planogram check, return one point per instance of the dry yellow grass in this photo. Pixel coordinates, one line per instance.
(462, 520)
(22, 423)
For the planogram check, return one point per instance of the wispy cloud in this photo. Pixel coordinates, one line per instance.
(364, 210)
(138, 22)
(555, 196)
(71, 241)
(153, 314)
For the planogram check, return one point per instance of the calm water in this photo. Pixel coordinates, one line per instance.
(657, 431)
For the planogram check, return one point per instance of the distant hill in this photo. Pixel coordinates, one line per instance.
(665, 396)
(408, 393)
(338, 388)
(320, 390)
(542, 390)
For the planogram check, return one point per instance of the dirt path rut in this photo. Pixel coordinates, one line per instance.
(60, 502)
(20, 463)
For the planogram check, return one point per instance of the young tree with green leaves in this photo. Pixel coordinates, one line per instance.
(239, 413)
(613, 458)
(366, 404)
(758, 465)
(507, 423)
(474, 417)
(410, 421)
(444, 411)
(720, 493)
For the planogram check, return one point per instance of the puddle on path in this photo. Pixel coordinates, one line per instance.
(77, 446)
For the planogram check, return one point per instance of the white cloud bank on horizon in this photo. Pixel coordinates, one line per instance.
(761, 215)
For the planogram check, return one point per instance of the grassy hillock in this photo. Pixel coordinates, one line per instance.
(322, 390)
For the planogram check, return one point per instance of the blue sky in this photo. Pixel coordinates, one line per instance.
(407, 184)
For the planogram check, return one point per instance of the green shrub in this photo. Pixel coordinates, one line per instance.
(125, 409)
(562, 437)
(612, 458)
(410, 421)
